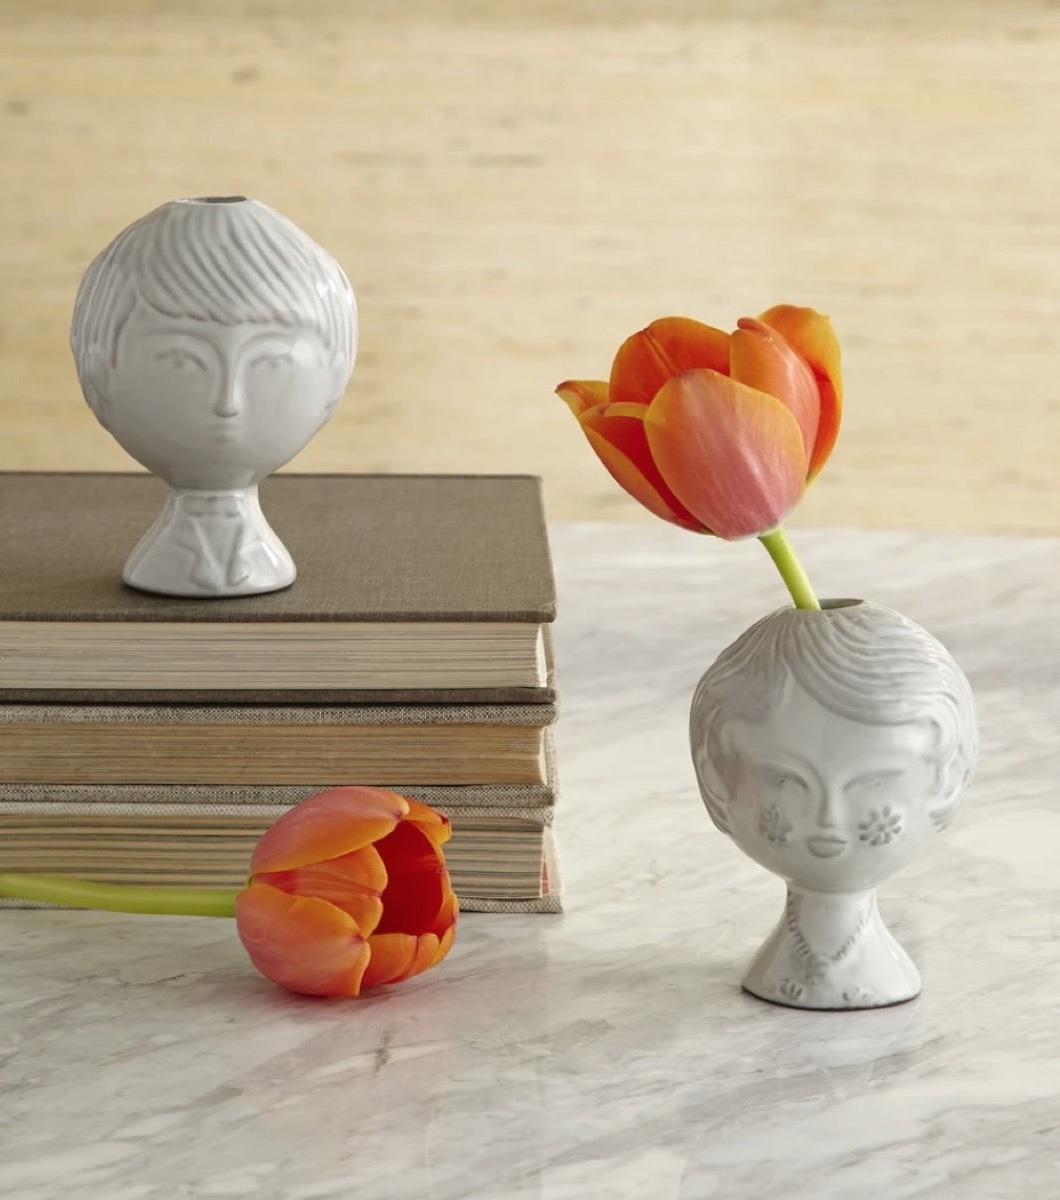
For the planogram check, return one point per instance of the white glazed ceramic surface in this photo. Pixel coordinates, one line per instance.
(831, 746)
(213, 338)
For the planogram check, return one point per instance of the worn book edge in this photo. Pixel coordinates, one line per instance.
(208, 798)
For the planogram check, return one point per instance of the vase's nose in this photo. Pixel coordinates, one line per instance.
(828, 811)
(229, 400)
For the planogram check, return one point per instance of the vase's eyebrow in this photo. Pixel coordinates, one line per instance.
(772, 755)
(797, 770)
(875, 773)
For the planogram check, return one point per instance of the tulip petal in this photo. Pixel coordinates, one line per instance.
(582, 394)
(733, 455)
(762, 359)
(417, 881)
(447, 914)
(328, 825)
(302, 944)
(616, 433)
(426, 953)
(398, 956)
(445, 944)
(429, 821)
(811, 336)
(667, 347)
(393, 957)
(352, 882)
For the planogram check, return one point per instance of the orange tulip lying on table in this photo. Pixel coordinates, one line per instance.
(717, 432)
(347, 890)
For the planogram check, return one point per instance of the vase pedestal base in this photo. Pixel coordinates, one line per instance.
(832, 952)
(210, 544)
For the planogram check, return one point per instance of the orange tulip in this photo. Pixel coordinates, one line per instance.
(719, 433)
(348, 890)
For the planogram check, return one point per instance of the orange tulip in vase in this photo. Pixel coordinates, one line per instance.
(832, 739)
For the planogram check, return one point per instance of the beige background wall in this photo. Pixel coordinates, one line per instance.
(515, 186)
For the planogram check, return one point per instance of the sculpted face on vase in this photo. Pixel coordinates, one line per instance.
(826, 802)
(213, 339)
(211, 406)
(831, 746)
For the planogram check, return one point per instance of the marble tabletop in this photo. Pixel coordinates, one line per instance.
(608, 1053)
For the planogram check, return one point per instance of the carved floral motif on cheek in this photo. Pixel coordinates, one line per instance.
(773, 825)
(880, 826)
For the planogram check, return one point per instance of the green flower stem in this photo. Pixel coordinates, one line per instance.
(795, 578)
(119, 897)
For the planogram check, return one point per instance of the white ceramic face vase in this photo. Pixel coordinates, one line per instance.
(213, 339)
(831, 746)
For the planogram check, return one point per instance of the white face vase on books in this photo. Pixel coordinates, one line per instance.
(213, 339)
(831, 746)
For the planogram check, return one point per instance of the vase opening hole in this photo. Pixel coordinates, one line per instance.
(843, 603)
(215, 200)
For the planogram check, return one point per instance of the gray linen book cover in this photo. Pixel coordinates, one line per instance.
(415, 549)
(536, 716)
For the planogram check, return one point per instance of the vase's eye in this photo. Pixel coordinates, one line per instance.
(781, 779)
(875, 781)
(278, 361)
(181, 360)
(786, 781)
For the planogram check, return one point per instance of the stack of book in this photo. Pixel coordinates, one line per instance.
(150, 739)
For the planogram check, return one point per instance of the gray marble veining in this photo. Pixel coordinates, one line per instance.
(607, 1054)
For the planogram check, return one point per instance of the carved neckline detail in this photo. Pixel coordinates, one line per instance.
(813, 963)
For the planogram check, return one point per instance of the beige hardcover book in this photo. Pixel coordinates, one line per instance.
(414, 587)
(502, 853)
(231, 745)
(495, 861)
(532, 801)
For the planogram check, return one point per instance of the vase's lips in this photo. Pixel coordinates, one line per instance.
(826, 846)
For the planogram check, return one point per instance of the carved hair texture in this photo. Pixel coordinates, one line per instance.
(231, 262)
(858, 660)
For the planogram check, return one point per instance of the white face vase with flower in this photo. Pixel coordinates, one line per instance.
(830, 742)
(213, 339)
(831, 745)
